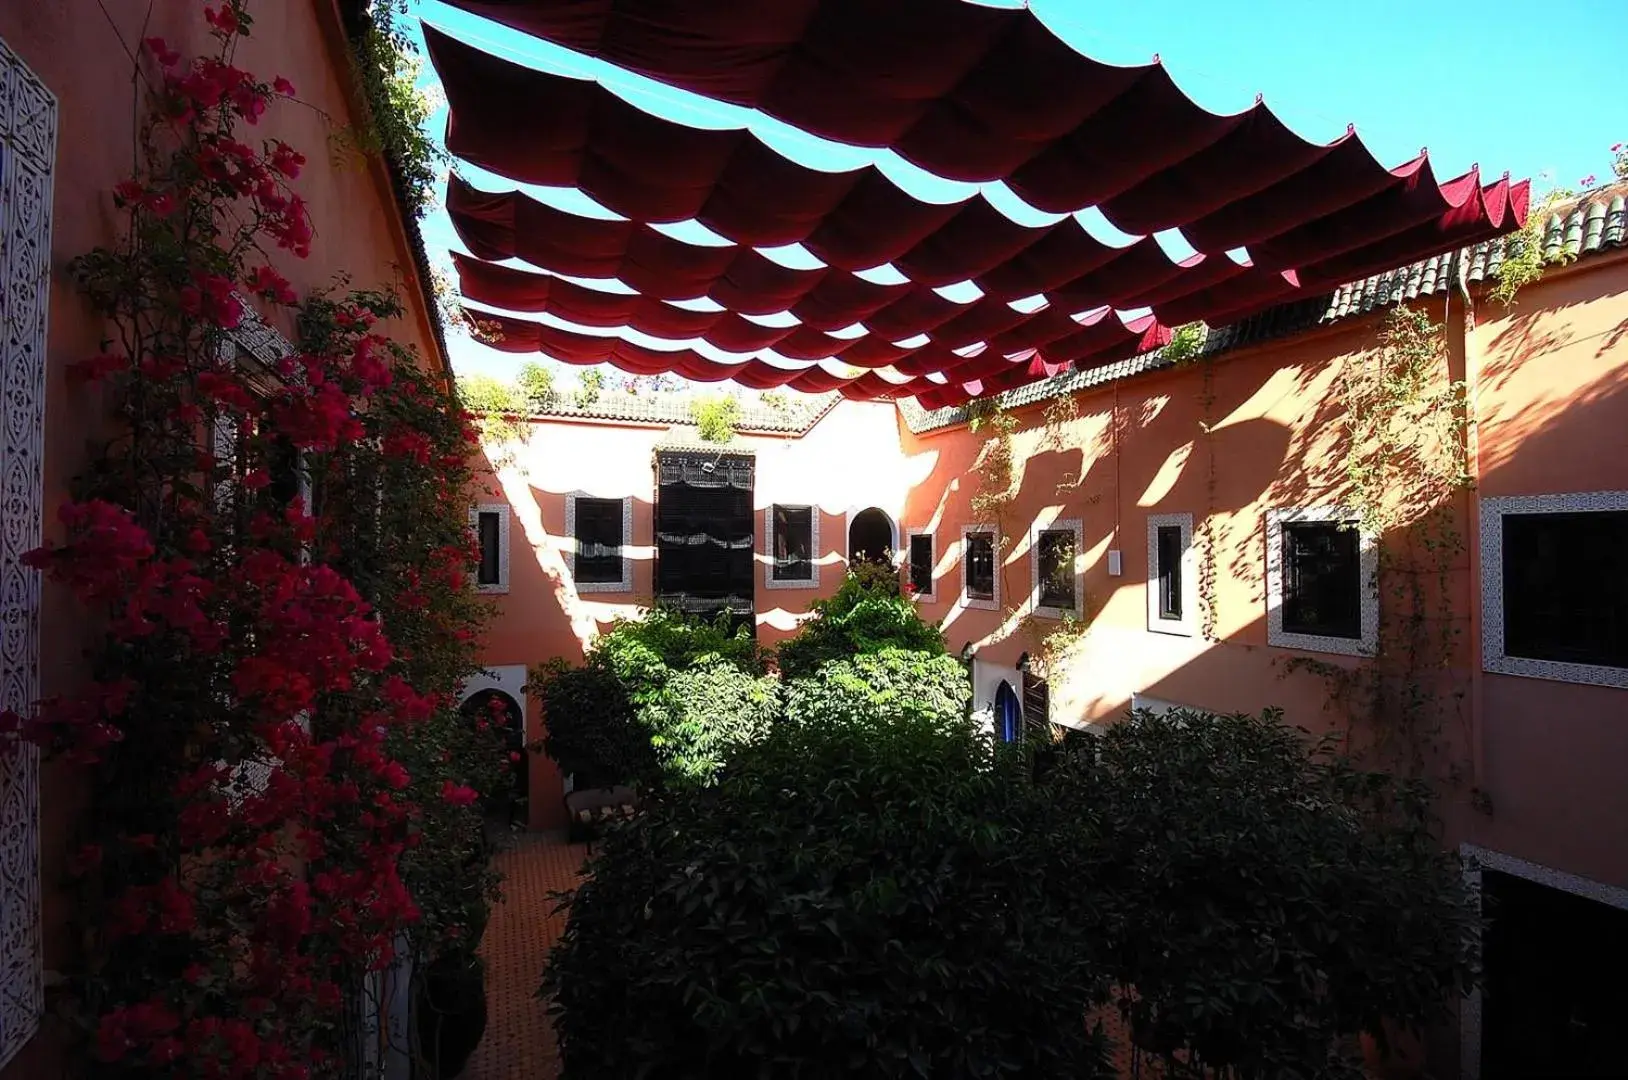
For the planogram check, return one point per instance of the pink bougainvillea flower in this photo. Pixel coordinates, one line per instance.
(458, 794)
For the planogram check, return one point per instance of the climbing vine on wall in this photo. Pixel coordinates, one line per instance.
(1405, 461)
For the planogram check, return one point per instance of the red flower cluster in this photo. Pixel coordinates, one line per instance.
(314, 758)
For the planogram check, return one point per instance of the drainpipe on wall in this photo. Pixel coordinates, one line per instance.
(1469, 359)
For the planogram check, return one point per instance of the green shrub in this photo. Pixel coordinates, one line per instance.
(590, 726)
(644, 652)
(702, 715)
(890, 685)
(866, 615)
(535, 385)
(659, 701)
(1269, 902)
(715, 417)
(842, 903)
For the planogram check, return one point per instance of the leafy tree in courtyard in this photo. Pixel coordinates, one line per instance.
(848, 900)
(658, 701)
(1263, 903)
(866, 615)
(893, 684)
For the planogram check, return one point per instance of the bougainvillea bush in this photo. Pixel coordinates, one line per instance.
(273, 560)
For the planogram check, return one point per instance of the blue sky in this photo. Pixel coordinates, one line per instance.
(1534, 89)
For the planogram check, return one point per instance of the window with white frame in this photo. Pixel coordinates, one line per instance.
(793, 539)
(1321, 581)
(1172, 575)
(1554, 581)
(980, 581)
(919, 564)
(490, 523)
(600, 533)
(1056, 572)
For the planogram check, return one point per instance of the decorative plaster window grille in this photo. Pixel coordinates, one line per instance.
(28, 129)
(599, 541)
(599, 532)
(490, 523)
(1172, 575)
(1554, 579)
(1321, 582)
(792, 531)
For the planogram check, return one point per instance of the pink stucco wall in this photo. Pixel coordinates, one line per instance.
(1548, 384)
(82, 50)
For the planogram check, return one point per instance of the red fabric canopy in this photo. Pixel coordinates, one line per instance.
(1086, 343)
(967, 92)
(1074, 271)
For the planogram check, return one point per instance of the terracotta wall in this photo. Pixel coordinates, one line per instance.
(82, 50)
(1548, 388)
(1551, 385)
(847, 462)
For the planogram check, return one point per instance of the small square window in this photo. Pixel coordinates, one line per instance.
(793, 532)
(600, 532)
(1565, 586)
(980, 566)
(1055, 551)
(1169, 544)
(599, 541)
(1322, 582)
(921, 564)
(489, 522)
(1172, 589)
(1322, 592)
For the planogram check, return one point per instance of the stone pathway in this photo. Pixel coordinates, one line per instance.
(519, 1042)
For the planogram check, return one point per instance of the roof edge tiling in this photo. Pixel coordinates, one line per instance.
(795, 418)
(1591, 224)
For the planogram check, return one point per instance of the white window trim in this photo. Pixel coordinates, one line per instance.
(1477, 859)
(620, 585)
(966, 600)
(1494, 658)
(1367, 643)
(1077, 527)
(932, 593)
(503, 521)
(1187, 625)
(28, 139)
(813, 580)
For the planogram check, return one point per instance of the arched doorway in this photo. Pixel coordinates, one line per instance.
(1008, 713)
(501, 711)
(870, 537)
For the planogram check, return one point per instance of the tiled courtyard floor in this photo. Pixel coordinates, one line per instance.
(519, 1044)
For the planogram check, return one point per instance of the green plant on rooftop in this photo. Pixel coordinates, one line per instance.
(716, 415)
(1619, 160)
(1525, 254)
(892, 684)
(497, 411)
(1186, 342)
(388, 67)
(850, 899)
(776, 400)
(866, 615)
(1261, 901)
(535, 385)
(590, 382)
